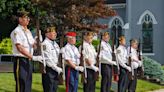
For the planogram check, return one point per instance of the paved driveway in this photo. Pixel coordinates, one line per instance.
(161, 90)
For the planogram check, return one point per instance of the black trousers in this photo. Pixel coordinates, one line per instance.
(106, 81)
(123, 80)
(89, 86)
(132, 83)
(22, 74)
(50, 80)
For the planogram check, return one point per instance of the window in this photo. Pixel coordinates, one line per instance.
(147, 34)
(116, 30)
(147, 20)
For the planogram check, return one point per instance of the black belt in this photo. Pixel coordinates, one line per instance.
(122, 68)
(107, 64)
(70, 67)
(19, 57)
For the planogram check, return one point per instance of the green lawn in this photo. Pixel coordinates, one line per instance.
(163, 67)
(7, 84)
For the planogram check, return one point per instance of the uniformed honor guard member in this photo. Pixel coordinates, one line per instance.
(106, 63)
(122, 57)
(89, 55)
(135, 64)
(22, 44)
(72, 60)
(51, 54)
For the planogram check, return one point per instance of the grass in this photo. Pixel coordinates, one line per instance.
(163, 67)
(144, 86)
(7, 84)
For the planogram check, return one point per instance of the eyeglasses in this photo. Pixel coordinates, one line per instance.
(26, 17)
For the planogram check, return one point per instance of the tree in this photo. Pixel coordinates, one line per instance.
(77, 15)
(10, 7)
(8, 10)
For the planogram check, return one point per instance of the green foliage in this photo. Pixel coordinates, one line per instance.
(6, 46)
(163, 67)
(8, 12)
(153, 69)
(78, 43)
(57, 12)
(10, 7)
(94, 42)
(145, 86)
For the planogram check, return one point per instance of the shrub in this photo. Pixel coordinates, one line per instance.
(94, 42)
(78, 43)
(6, 46)
(153, 69)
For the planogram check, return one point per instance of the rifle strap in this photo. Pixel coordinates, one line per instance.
(53, 43)
(27, 41)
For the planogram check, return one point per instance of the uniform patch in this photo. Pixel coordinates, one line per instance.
(44, 47)
(118, 51)
(15, 34)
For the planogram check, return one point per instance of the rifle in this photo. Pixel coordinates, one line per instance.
(131, 75)
(140, 70)
(97, 58)
(115, 68)
(61, 62)
(139, 50)
(39, 50)
(82, 63)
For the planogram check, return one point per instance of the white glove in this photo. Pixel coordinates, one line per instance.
(37, 58)
(41, 38)
(135, 65)
(79, 68)
(62, 50)
(57, 69)
(115, 51)
(114, 63)
(130, 55)
(140, 63)
(95, 68)
(141, 53)
(129, 69)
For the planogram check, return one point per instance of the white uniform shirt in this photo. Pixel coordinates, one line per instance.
(134, 57)
(51, 52)
(122, 56)
(22, 37)
(71, 53)
(89, 52)
(105, 53)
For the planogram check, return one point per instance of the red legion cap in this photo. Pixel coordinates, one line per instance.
(71, 34)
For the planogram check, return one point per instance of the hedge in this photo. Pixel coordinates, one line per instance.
(6, 46)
